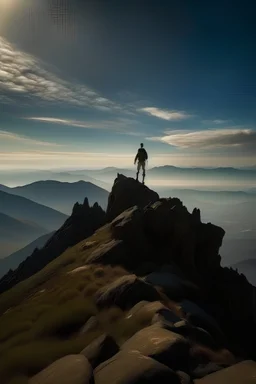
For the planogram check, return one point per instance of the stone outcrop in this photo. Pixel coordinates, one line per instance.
(125, 292)
(73, 369)
(126, 193)
(165, 233)
(166, 347)
(101, 349)
(131, 367)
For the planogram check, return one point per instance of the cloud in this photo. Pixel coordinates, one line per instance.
(23, 74)
(165, 114)
(71, 123)
(216, 121)
(59, 159)
(121, 125)
(214, 138)
(45, 159)
(15, 138)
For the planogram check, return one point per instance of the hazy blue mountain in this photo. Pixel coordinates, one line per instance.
(14, 179)
(21, 208)
(13, 260)
(104, 177)
(16, 233)
(207, 172)
(209, 196)
(62, 195)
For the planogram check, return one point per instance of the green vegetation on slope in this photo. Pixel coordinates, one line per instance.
(41, 317)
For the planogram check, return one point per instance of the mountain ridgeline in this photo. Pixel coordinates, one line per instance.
(60, 195)
(109, 284)
(148, 233)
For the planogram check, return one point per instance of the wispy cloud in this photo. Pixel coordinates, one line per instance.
(122, 126)
(214, 138)
(72, 123)
(9, 137)
(164, 114)
(45, 159)
(216, 121)
(23, 74)
(58, 159)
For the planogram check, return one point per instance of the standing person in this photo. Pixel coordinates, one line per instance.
(141, 158)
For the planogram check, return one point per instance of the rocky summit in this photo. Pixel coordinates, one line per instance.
(138, 296)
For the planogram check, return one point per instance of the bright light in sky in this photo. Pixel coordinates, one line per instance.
(8, 8)
(7, 4)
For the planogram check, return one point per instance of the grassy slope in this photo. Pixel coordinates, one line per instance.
(40, 318)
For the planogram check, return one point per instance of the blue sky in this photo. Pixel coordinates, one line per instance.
(82, 84)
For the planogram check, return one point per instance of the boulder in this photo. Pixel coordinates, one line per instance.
(241, 373)
(145, 309)
(73, 369)
(101, 349)
(127, 223)
(91, 324)
(126, 193)
(128, 227)
(205, 369)
(166, 318)
(125, 292)
(133, 368)
(194, 334)
(112, 252)
(164, 346)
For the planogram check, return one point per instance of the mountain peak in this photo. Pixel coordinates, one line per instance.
(127, 192)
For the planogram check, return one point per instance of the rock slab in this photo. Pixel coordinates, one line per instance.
(73, 369)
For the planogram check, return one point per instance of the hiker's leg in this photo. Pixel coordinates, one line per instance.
(144, 170)
(138, 171)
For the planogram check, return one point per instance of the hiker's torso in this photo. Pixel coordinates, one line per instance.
(142, 155)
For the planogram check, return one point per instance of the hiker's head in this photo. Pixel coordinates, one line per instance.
(142, 145)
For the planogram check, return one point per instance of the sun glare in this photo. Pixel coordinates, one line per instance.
(8, 11)
(5, 4)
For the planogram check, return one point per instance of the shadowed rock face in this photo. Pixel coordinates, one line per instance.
(126, 193)
(82, 223)
(162, 231)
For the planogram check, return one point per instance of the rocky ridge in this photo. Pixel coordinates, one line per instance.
(81, 224)
(202, 316)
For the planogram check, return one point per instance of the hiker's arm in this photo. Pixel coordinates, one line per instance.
(146, 154)
(136, 158)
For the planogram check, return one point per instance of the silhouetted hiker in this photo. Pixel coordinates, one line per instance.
(141, 158)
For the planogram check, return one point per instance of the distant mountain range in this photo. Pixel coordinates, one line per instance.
(212, 196)
(22, 209)
(104, 177)
(166, 170)
(61, 195)
(12, 261)
(16, 233)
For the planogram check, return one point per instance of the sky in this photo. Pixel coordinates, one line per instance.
(83, 83)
